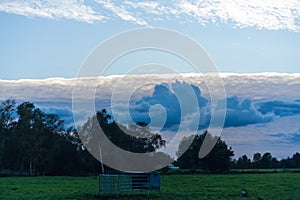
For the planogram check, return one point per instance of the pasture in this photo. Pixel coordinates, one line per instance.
(228, 186)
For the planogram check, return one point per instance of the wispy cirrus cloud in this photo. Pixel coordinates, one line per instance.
(122, 12)
(64, 9)
(267, 14)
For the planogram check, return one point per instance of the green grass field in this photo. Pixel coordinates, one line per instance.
(273, 186)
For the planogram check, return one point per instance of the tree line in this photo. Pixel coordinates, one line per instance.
(36, 143)
(266, 161)
(220, 158)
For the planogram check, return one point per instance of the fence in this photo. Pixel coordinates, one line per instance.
(116, 184)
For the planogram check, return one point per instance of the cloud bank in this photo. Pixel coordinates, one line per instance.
(251, 98)
(268, 14)
(257, 86)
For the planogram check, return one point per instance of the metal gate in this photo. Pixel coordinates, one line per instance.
(116, 184)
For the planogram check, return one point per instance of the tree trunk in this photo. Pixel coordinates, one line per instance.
(30, 166)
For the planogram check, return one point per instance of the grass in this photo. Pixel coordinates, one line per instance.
(47, 187)
(273, 186)
(258, 171)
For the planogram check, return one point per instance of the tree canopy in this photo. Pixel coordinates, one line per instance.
(217, 160)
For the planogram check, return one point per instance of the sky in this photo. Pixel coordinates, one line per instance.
(254, 44)
(43, 39)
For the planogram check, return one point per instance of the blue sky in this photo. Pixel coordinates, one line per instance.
(247, 40)
(42, 39)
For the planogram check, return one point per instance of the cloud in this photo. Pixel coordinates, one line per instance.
(268, 14)
(122, 13)
(289, 138)
(258, 91)
(64, 113)
(242, 113)
(280, 108)
(64, 9)
(238, 113)
(280, 137)
(273, 15)
(177, 101)
(262, 86)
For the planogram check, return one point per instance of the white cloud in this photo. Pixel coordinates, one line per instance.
(267, 14)
(121, 12)
(59, 9)
(263, 89)
(257, 86)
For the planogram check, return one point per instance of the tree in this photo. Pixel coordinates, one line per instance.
(275, 163)
(256, 160)
(296, 160)
(35, 143)
(217, 160)
(28, 134)
(7, 110)
(34, 131)
(133, 138)
(293, 162)
(189, 158)
(243, 162)
(63, 156)
(266, 161)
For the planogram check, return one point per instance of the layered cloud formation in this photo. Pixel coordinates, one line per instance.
(252, 99)
(268, 14)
